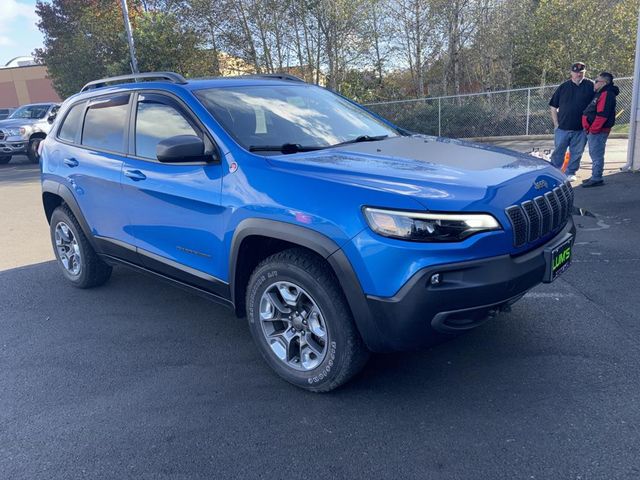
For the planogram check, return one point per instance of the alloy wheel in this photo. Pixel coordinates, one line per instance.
(293, 326)
(68, 249)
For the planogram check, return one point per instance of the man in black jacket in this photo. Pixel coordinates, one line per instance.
(597, 120)
(567, 104)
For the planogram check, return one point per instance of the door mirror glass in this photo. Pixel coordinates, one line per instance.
(181, 148)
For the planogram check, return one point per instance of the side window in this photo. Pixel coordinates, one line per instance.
(71, 123)
(156, 121)
(105, 123)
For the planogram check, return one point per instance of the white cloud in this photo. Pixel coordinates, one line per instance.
(6, 42)
(12, 11)
(19, 34)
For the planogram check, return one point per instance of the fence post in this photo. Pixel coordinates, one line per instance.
(439, 117)
(528, 109)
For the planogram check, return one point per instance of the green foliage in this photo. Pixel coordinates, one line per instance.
(82, 41)
(86, 40)
(564, 31)
(365, 49)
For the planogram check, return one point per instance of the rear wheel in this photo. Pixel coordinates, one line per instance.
(5, 159)
(300, 320)
(79, 262)
(32, 150)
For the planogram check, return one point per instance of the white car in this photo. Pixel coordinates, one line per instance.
(22, 132)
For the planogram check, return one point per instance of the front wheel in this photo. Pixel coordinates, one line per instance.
(301, 322)
(32, 150)
(4, 159)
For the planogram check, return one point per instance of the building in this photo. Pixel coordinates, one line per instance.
(22, 81)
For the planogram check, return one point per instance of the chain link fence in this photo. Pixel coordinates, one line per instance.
(523, 111)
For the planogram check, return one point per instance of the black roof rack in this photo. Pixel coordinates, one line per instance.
(168, 76)
(274, 76)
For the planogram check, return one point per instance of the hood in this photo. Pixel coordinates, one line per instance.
(19, 122)
(440, 173)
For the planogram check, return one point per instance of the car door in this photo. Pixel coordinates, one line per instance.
(92, 141)
(174, 210)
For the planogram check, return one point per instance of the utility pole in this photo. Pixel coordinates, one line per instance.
(132, 48)
(633, 149)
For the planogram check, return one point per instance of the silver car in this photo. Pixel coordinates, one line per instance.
(22, 132)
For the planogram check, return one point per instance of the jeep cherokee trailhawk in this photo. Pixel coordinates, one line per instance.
(333, 231)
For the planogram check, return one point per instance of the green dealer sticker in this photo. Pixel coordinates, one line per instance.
(558, 259)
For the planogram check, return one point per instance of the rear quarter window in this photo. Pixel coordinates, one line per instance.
(72, 123)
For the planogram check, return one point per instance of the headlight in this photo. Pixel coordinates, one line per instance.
(428, 227)
(15, 132)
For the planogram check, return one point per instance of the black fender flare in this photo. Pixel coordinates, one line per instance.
(64, 192)
(323, 246)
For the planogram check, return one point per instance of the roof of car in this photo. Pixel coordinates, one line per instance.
(191, 84)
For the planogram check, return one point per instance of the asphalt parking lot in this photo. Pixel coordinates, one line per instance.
(137, 379)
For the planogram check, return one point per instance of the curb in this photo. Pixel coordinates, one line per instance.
(524, 138)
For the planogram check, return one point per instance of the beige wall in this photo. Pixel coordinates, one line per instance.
(22, 85)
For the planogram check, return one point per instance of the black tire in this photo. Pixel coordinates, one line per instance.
(345, 352)
(32, 150)
(93, 271)
(4, 159)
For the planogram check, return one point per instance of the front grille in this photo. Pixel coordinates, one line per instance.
(537, 218)
(1, 135)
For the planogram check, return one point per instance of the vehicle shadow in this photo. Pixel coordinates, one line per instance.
(19, 170)
(139, 364)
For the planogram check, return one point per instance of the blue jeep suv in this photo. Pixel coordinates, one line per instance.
(334, 232)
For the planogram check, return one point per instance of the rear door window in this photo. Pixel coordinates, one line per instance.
(105, 124)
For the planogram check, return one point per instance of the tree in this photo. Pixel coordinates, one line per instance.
(82, 41)
(85, 40)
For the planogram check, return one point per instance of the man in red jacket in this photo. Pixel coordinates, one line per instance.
(597, 120)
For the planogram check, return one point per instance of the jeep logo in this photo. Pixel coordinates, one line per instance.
(540, 184)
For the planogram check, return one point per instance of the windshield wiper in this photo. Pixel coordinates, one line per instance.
(362, 138)
(284, 148)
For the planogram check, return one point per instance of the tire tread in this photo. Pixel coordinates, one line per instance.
(356, 353)
(97, 271)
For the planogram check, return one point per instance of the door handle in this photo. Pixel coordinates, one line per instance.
(135, 175)
(71, 162)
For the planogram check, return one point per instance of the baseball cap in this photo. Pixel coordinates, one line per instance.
(578, 67)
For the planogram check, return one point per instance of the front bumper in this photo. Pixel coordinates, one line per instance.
(423, 313)
(13, 148)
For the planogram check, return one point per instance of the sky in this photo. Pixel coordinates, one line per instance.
(19, 34)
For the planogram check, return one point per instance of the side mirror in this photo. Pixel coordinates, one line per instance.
(181, 148)
(51, 118)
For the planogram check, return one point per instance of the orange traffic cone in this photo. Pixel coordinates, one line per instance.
(565, 164)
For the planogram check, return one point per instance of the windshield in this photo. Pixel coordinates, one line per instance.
(303, 116)
(31, 111)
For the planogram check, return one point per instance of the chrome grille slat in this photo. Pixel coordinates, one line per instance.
(545, 215)
(555, 209)
(537, 218)
(533, 216)
(563, 203)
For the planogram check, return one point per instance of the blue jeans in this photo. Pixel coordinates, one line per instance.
(597, 143)
(575, 141)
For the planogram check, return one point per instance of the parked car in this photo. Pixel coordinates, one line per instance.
(334, 232)
(23, 130)
(5, 112)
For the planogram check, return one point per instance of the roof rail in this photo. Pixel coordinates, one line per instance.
(168, 76)
(274, 76)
